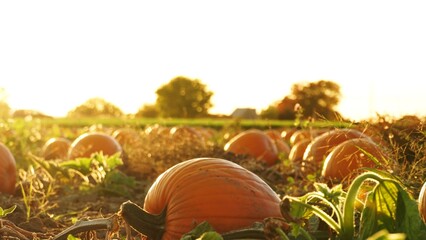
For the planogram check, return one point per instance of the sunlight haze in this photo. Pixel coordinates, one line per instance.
(55, 55)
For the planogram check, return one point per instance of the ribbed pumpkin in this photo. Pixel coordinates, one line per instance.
(422, 202)
(88, 143)
(255, 143)
(218, 191)
(320, 146)
(56, 148)
(351, 155)
(7, 170)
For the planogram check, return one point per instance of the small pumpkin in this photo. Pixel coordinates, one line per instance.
(218, 191)
(306, 134)
(287, 133)
(56, 148)
(300, 135)
(187, 134)
(297, 151)
(7, 170)
(184, 132)
(88, 143)
(351, 155)
(282, 147)
(422, 202)
(126, 136)
(255, 143)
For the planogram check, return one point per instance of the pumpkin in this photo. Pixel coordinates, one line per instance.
(297, 151)
(300, 135)
(88, 143)
(184, 132)
(255, 143)
(349, 156)
(157, 130)
(126, 136)
(408, 122)
(218, 191)
(56, 148)
(320, 146)
(422, 202)
(305, 134)
(7, 170)
(281, 145)
(287, 133)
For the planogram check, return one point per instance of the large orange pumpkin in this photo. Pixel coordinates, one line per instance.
(349, 156)
(422, 202)
(7, 170)
(56, 148)
(218, 191)
(88, 143)
(255, 143)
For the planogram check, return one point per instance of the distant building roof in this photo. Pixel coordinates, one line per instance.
(245, 113)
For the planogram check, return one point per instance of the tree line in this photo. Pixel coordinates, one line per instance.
(183, 97)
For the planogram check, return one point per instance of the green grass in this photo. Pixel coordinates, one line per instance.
(216, 123)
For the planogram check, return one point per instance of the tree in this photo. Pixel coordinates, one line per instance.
(317, 99)
(286, 108)
(96, 107)
(148, 111)
(183, 97)
(271, 112)
(28, 113)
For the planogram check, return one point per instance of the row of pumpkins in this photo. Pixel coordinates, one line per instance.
(338, 152)
(223, 193)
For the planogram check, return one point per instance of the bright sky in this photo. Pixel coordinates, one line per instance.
(55, 55)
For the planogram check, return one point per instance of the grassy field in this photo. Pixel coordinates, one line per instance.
(216, 123)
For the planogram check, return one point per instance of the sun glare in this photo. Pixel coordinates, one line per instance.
(54, 56)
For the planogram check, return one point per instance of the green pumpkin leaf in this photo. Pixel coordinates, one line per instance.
(408, 218)
(79, 164)
(389, 207)
(198, 231)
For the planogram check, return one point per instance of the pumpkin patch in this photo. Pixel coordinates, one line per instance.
(188, 183)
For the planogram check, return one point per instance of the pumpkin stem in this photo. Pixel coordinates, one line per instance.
(150, 225)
